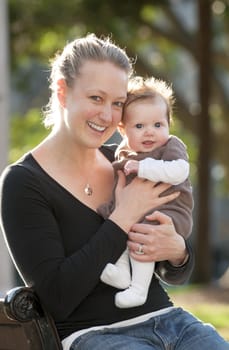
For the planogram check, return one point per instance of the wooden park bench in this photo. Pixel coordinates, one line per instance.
(24, 324)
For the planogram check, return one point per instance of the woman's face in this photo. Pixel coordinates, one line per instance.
(93, 107)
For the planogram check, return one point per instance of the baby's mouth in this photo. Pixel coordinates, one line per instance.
(148, 143)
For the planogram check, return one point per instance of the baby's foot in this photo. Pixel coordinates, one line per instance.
(130, 297)
(115, 277)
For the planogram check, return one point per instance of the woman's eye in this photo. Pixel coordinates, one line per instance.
(96, 98)
(119, 104)
(157, 125)
(139, 126)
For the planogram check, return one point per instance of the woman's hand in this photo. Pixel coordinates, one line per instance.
(136, 199)
(158, 242)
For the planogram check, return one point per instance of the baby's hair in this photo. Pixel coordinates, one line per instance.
(140, 88)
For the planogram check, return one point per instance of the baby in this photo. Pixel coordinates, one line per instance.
(148, 151)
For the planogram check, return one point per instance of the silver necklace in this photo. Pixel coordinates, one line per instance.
(88, 190)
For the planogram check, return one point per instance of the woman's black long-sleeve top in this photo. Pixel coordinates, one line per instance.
(60, 247)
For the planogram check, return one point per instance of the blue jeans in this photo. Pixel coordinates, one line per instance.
(176, 330)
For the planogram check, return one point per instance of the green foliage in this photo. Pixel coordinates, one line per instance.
(26, 132)
(157, 35)
(152, 32)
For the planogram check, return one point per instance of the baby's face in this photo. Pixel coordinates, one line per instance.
(146, 125)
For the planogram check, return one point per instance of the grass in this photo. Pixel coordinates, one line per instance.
(210, 304)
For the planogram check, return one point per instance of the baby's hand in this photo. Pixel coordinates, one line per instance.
(131, 167)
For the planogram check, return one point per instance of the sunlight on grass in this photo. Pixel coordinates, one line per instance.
(213, 312)
(217, 315)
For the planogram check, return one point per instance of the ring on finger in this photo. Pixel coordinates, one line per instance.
(140, 250)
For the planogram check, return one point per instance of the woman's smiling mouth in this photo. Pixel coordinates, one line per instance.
(96, 127)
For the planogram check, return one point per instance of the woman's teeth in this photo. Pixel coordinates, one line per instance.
(96, 127)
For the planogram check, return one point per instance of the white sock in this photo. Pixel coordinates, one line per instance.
(130, 297)
(136, 294)
(118, 275)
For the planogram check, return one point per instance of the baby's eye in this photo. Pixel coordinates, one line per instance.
(139, 126)
(157, 125)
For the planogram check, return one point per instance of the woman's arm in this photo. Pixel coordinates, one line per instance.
(59, 247)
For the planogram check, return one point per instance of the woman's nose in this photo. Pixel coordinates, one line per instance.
(106, 113)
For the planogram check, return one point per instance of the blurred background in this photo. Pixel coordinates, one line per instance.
(185, 42)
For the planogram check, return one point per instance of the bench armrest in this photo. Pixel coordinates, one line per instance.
(29, 320)
(21, 304)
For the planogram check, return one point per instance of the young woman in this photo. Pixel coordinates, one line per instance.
(58, 241)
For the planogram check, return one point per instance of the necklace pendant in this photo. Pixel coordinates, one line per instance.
(88, 190)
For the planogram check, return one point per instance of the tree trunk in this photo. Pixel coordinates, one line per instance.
(203, 256)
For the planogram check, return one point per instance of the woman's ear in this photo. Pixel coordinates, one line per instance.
(62, 92)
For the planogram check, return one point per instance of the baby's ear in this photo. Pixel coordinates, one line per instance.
(62, 92)
(121, 128)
